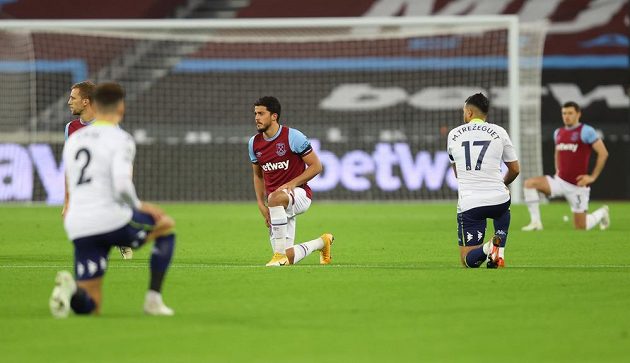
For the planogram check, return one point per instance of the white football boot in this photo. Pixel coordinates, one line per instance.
(533, 226)
(65, 287)
(153, 305)
(126, 253)
(605, 222)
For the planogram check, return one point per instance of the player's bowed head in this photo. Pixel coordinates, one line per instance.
(476, 107)
(109, 102)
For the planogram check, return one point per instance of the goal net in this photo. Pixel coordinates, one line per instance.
(376, 97)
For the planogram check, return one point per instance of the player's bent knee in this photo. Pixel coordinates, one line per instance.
(277, 198)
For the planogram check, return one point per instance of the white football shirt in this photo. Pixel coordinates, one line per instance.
(98, 164)
(478, 149)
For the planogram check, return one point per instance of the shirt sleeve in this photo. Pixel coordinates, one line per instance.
(122, 172)
(448, 149)
(66, 132)
(589, 135)
(250, 147)
(299, 143)
(509, 154)
(555, 135)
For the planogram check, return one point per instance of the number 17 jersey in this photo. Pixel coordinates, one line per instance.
(93, 157)
(478, 149)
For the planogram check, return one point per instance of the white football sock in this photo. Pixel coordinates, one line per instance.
(502, 252)
(304, 249)
(532, 199)
(594, 218)
(278, 217)
(487, 247)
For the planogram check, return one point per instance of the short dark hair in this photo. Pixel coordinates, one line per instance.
(272, 104)
(108, 95)
(571, 104)
(86, 89)
(480, 101)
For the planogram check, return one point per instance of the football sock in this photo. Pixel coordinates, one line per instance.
(304, 249)
(532, 200)
(279, 220)
(501, 227)
(161, 256)
(476, 257)
(594, 218)
(81, 303)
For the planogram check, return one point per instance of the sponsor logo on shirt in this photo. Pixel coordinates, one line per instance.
(567, 147)
(281, 165)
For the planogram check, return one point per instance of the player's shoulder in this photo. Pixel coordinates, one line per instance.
(293, 132)
(588, 134)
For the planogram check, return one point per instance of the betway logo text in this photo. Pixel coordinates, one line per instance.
(389, 167)
(567, 147)
(281, 165)
(365, 97)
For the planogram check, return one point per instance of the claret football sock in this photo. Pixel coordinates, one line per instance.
(279, 221)
(304, 249)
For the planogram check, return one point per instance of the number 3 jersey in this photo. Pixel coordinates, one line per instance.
(478, 149)
(98, 164)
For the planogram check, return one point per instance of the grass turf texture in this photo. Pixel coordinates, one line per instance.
(395, 291)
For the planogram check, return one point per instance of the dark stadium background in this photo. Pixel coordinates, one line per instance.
(600, 32)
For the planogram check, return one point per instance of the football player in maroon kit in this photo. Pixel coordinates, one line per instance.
(283, 161)
(574, 143)
(80, 103)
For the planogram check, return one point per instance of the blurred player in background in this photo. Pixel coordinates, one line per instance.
(80, 103)
(104, 210)
(574, 143)
(476, 150)
(283, 161)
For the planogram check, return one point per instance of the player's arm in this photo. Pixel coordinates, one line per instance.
(66, 196)
(259, 188)
(602, 156)
(313, 167)
(513, 169)
(510, 160)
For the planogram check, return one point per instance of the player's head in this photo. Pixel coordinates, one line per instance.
(109, 101)
(80, 98)
(266, 111)
(476, 106)
(571, 113)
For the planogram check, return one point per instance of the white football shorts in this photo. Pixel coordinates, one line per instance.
(577, 196)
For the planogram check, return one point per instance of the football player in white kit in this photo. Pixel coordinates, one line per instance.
(104, 211)
(477, 149)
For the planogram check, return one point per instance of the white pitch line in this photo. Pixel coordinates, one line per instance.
(400, 267)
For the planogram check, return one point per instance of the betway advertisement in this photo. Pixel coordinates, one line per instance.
(363, 158)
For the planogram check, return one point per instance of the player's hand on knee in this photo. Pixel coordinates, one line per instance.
(156, 212)
(584, 180)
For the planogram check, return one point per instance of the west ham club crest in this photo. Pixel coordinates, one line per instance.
(574, 136)
(281, 149)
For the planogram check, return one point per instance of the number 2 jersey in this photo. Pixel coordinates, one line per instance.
(478, 149)
(98, 164)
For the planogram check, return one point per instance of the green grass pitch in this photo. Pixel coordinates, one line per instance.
(395, 291)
